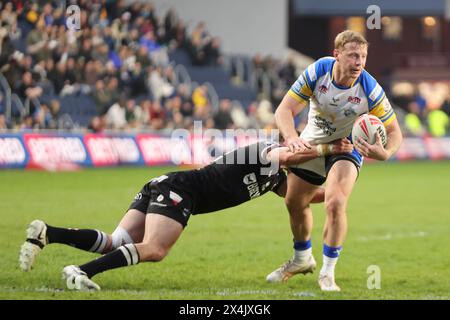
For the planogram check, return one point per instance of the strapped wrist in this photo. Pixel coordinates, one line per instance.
(324, 149)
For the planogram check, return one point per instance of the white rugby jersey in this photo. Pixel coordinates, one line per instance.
(333, 108)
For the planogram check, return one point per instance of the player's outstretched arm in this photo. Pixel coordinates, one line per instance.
(287, 158)
(376, 150)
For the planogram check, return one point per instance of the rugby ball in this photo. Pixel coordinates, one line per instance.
(366, 126)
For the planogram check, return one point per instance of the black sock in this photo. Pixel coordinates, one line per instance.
(84, 239)
(121, 257)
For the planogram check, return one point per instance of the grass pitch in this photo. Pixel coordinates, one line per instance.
(399, 221)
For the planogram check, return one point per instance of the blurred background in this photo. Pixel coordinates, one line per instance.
(138, 67)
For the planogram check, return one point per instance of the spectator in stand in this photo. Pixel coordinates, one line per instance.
(223, 119)
(4, 125)
(8, 15)
(129, 36)
(253, 121)
(115, 116)
(42, 117)
(438, 123)
(157, 116)
(97, 124)
(86, 49)
(200, 97)
(446, 104)
(27, 88)
(421, 102)
(137, 81)
(212, 51)
(171, 21)
(143, 58)
(265, 115)
(6, 46)
(144, 118)
(133, 114)
(159, 87)
(239, 116)
(37, 42)
(187, 110)
(101, 97)
(413, 124)
(27, 123)
(55, 108)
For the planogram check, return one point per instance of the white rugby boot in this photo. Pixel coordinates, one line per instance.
(36, 240)
(292, 268)
(327, 283)
(76, 279)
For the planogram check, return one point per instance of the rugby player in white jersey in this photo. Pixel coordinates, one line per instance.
(338, 90)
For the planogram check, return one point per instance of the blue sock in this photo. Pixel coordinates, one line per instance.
(302, 245)
(331, 252)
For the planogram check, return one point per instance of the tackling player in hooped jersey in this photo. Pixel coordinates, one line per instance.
(338, 90)
(162, 208)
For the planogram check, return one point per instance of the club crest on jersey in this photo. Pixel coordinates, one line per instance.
(354, 100)
(323, 89)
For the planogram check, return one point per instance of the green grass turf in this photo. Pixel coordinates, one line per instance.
(399, 220)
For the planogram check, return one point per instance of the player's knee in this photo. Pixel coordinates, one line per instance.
(153, 253)
(120, 237)
(335, 206)
(295, 204)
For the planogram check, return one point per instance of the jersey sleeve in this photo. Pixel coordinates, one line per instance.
(303, 88)
(379, 105)
(265, 147)
(384, 111)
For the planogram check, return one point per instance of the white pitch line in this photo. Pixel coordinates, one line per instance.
(181, 293)
(390, 236)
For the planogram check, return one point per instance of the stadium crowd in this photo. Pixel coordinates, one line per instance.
(120, 57)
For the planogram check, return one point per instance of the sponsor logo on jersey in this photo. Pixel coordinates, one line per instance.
(354, 100)
(252, 185)
(158, 204)
(249, 178)
(175, 197)
(253, 190)
(386, 105)
(325, 125)
(335, 101)
(349, 112)
(375, 92)
(186, 213)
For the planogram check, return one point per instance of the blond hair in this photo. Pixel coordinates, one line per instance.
(349, 36)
